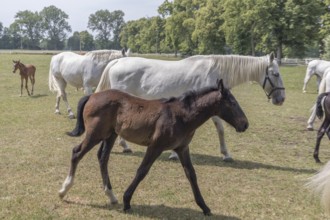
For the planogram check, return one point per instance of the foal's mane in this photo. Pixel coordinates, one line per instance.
(190, 96)
(104, 55)
(236, 69)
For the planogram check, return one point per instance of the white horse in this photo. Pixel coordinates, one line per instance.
(323, 87)
(320, 185)
(80, 71)
(316, 67)
(153, 79)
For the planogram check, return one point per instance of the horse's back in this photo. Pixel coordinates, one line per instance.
(153, 79)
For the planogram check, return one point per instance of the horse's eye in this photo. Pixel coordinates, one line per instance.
(276, 74)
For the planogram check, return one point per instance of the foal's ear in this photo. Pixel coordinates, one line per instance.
(220, 85)
(271, 57)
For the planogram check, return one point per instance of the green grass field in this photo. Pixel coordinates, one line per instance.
(272, 160)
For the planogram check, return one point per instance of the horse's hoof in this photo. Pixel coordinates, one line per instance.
(72, 117)
(114, 202)
(310, 128)
(228, 159)
(127, 151)
(61, 195)
(57, 112)
(173, 157)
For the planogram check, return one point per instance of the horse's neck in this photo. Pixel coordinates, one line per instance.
(235, 70)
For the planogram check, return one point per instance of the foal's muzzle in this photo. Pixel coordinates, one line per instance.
(242, 127)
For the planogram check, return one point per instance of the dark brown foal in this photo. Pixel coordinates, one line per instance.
(26, 71)
(164, 124)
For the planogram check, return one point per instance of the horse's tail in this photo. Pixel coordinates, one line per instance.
(319, 108)
(53, 87)
(80, 126)
(320, 185)
(104, 82)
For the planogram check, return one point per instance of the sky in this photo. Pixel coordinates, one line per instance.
(80, 10)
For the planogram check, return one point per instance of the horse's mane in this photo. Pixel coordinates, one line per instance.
(104, 55)
(236, 69)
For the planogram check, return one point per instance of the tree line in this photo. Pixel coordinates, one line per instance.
(293, 28)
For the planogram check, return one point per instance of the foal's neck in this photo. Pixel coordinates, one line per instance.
(202, 109)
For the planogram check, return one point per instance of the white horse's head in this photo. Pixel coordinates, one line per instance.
(272, 82)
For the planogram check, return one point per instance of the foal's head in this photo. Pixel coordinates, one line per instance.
(16, 65)
(230, 110)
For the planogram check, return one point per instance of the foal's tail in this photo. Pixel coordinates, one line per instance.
(80, 126)
(320, 185)
(319, 109)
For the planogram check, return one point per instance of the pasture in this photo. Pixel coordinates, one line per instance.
(272, 159)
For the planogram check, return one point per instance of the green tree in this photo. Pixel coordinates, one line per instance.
(29, 27)
(106, 23)
(55, 24)
(74, 41)
(87, 41)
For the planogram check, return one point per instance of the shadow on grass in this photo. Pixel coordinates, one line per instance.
(208, 160)
(157, 211)
(38, 96)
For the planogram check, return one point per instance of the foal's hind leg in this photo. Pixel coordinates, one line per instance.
(77, 154)
(32, 83)
(103, 156)
(189, 170)
(320, 134)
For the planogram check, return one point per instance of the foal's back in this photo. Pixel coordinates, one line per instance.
(133, 118)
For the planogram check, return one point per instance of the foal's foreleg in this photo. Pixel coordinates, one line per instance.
(191, 175)
(319, 137)
(103, 156)
(26, 85)
(221, 134)
(151, 155)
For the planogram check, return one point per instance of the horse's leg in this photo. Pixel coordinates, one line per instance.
(221, 134)
(151, 155)
(62, 85)
(311, 119)
(308, 76)
(26, 85)
(77, 154)
(189, 170)
(103, 156)
(123, 143)
(319, 137)
(57, 104)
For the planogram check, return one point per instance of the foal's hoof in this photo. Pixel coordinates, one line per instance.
(127, 209)
(228, 159)
(207, 213)
(127, 151)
